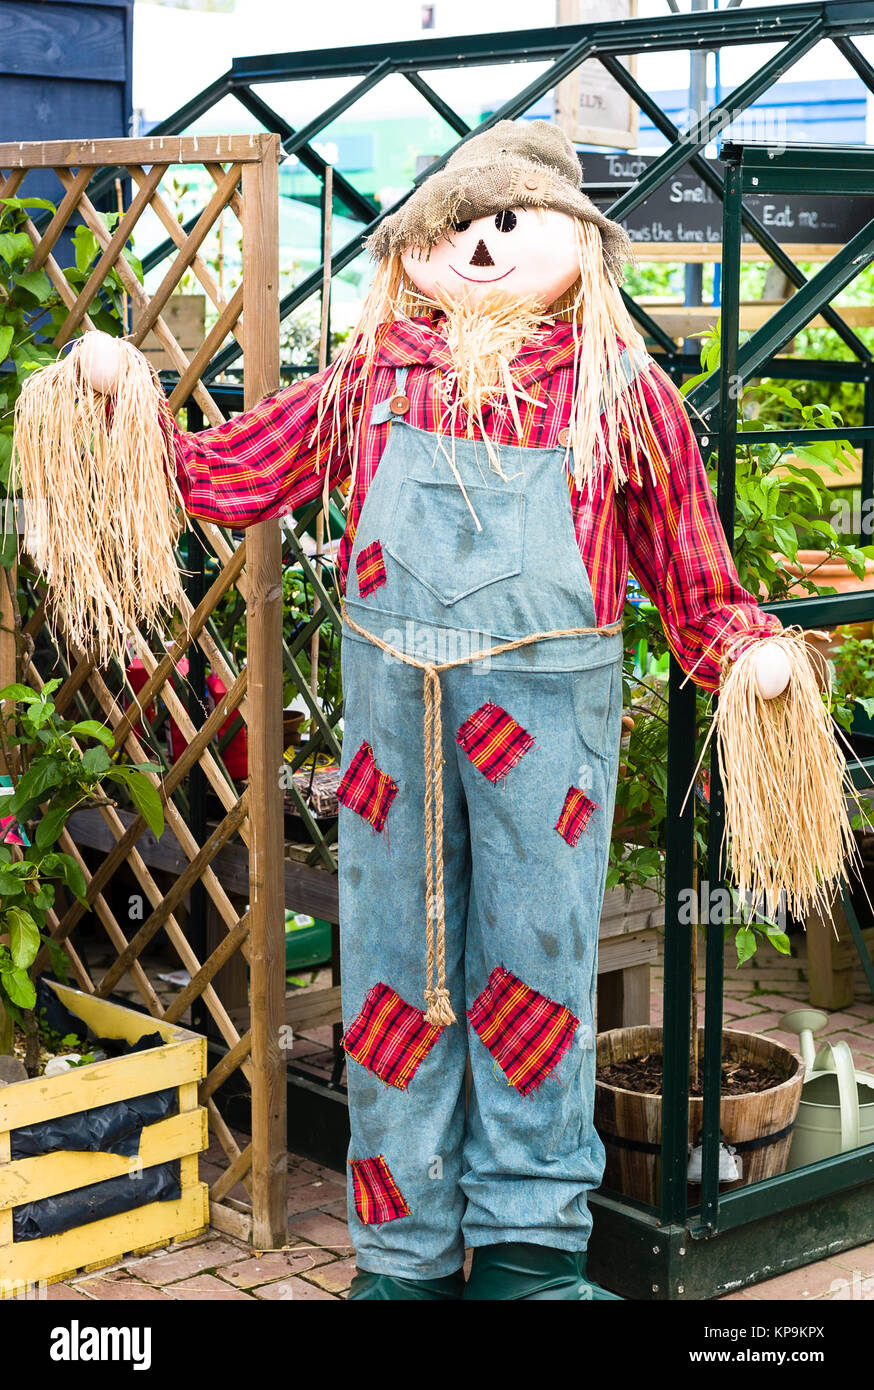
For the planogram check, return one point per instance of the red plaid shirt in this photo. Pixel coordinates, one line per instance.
(665, 528)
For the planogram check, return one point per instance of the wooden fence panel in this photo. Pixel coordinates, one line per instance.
(242, 176)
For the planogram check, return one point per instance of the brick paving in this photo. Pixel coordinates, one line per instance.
(318, 1263)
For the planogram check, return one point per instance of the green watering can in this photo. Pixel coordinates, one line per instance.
(836, 1113)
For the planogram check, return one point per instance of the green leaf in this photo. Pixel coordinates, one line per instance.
(144, 795)
(780, 941)
(94, 729)
(46, 772)
(34, 282)
(22, 693)
(28, 203)
(12, 880)
(23, 937)
(96, 760)
(7, 333)
(745, 944)
(74, 877)
(52, 824)
(86, 247)
(19, 987)
(786, 540)
(15, 247)
(44, 897)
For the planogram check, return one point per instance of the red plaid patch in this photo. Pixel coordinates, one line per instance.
(493, 741)
(363, 788)
(575, 815)
(526, 1033)
(370, 569)
(390, 1037)
(377, 1195)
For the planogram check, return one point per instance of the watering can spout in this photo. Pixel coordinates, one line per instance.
(805, 1022)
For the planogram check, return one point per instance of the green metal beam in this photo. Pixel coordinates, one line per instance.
(708, 126)
(319, 123)
(678, 941)
(824, 610)
(436, 101)
(857, 60)
(715, 182)
(651, 34)
(361, 207)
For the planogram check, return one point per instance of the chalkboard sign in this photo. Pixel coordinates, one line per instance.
(683, 211)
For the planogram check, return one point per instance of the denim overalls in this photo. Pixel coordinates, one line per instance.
(530, 742)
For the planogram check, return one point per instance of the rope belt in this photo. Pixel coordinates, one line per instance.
(438, 1009)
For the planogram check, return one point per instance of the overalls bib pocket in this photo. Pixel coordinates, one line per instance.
(455, 559)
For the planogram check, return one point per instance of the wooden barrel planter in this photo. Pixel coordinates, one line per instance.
(757, 1124)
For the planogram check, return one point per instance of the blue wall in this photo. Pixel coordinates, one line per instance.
(65, 72)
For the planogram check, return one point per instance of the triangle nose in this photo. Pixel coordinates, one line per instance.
(481, 255)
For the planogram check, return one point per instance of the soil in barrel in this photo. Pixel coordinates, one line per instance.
(644, 1075)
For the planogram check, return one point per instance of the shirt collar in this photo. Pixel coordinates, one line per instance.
(418, 342)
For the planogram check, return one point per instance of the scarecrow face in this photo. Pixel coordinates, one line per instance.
(527, 252)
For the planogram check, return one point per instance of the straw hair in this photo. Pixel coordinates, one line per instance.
(785, 784)
(99, 483)
(608, 410)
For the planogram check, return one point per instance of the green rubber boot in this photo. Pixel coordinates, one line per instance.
(531, 1272)
(383, 1288)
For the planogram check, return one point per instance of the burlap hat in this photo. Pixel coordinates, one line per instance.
(514, 164)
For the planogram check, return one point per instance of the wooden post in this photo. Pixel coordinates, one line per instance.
(264, 654)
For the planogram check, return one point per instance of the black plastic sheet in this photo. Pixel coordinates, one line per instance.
(113, 1128)
(53, 1215)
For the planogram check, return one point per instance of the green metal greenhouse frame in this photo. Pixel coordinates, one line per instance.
(740, 1236)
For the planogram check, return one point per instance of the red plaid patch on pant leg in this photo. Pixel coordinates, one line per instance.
(575, 815)
(377, 1195)
(363, 788)
(526, 1033)
(390, 1037)
(370, 569)
(493, 741)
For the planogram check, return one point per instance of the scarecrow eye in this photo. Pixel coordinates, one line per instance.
(505, 221)
(461, 226)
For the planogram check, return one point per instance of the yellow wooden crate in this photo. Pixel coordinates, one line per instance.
(179, 1062)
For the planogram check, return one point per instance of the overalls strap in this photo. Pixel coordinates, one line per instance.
(382, 411)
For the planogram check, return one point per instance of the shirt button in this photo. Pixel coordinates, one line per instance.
(531, 183)
(564, 437)
(399, 405)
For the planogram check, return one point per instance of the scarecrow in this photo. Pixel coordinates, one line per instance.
(509, 449)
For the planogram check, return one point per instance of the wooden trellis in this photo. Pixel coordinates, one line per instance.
(243, 170)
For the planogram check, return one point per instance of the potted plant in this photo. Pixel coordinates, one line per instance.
(92, 1203)
(51, 776)
(760, 1094)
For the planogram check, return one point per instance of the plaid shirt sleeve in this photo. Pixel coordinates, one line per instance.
(268, 460)
(677, 548)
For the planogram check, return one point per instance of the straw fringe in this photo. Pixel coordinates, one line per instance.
(787, 829)
(103, 506)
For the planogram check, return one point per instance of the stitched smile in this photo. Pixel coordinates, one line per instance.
(492, 281)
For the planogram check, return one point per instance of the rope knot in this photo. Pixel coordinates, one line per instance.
(439, 1010)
